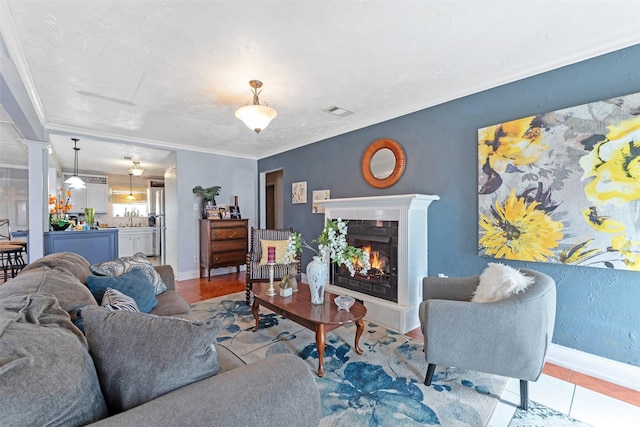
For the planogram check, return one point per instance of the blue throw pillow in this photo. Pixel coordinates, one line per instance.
(135, 284)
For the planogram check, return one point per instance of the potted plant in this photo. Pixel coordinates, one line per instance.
(285, 286)
(207, 197)
(58, 208)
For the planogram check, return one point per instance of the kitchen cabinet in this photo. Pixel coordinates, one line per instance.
(134, 240)
(95, 196)
(223, 243)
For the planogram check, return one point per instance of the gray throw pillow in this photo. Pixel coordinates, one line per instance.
(123, 265)
(140, 356)
(47, 376)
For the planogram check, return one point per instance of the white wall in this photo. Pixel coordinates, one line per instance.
(236, 176)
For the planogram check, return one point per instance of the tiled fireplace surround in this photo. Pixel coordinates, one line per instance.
(410, 210)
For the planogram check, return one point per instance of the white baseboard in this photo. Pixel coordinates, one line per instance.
(609, 370)
(188, 275)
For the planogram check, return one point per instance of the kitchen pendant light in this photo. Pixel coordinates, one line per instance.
(130, 196)
(74, 180)
(256, 116)
(136, 170)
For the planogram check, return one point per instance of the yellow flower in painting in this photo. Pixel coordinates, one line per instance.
(576, 254)
(614, 166)
(517, 230)
(626, 248)
(602, 223)
(516, 143)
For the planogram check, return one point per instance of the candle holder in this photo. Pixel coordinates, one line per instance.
(271, 292)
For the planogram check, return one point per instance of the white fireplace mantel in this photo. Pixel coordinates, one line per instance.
(410, 210)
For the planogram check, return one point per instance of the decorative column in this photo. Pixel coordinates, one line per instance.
(38, 197)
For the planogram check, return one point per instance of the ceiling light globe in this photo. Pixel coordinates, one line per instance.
(256, 117)
(136, 171)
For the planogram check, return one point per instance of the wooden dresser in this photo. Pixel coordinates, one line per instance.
(223, 243)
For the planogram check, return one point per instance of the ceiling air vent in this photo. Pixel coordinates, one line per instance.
(338, 111)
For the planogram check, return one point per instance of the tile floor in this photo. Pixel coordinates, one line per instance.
(587, 399)
(581, 403)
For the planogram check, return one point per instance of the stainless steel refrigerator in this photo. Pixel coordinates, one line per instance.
(155, 198)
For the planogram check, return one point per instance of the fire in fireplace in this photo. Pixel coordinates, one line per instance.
(380, 239)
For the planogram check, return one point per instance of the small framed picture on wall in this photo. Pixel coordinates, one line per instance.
(317, 196)
(299, 192)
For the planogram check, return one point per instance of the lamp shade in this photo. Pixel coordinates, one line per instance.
(75, 181)
(256, 117)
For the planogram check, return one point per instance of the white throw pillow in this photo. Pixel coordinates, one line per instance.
(499, 281)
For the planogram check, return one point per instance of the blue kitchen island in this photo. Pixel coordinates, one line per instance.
(94, 245)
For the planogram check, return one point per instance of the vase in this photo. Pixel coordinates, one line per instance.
(60, 226)
(89, 216)
(293, 277)
(318, 277)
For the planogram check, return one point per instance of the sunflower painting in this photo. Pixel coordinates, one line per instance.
(563, 187)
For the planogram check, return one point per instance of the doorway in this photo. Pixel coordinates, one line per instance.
(271, 218)
(274, 199)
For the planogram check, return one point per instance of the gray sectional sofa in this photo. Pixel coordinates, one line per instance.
(52, 374)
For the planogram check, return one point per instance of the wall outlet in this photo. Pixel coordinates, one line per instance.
(195, 258)
(442, 275)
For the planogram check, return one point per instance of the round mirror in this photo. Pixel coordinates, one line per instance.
(383, 163)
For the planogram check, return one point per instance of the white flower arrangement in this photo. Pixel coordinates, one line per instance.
(332, 245)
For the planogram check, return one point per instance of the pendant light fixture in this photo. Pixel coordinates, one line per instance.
(256, 116)
(136, 170)
(130, 196)
(74, 180)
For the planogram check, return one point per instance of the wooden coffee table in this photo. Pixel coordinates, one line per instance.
(319, 318)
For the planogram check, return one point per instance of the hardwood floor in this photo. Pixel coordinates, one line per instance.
(200, 289)
(195, 290)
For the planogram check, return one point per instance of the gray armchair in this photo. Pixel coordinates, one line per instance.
(260, 273)
(508, 337)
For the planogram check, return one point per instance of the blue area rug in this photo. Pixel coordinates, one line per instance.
(382, 387)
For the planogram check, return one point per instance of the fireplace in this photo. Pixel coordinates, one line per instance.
(380, 240)
(406, 216)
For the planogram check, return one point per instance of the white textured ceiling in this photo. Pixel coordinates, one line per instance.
(171, 73)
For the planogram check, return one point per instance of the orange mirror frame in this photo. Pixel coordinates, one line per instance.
(398, 169)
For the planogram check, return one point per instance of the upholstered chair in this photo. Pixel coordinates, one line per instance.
(509, 337)
(257, 272)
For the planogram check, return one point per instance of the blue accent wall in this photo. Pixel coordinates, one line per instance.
(597, 310)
